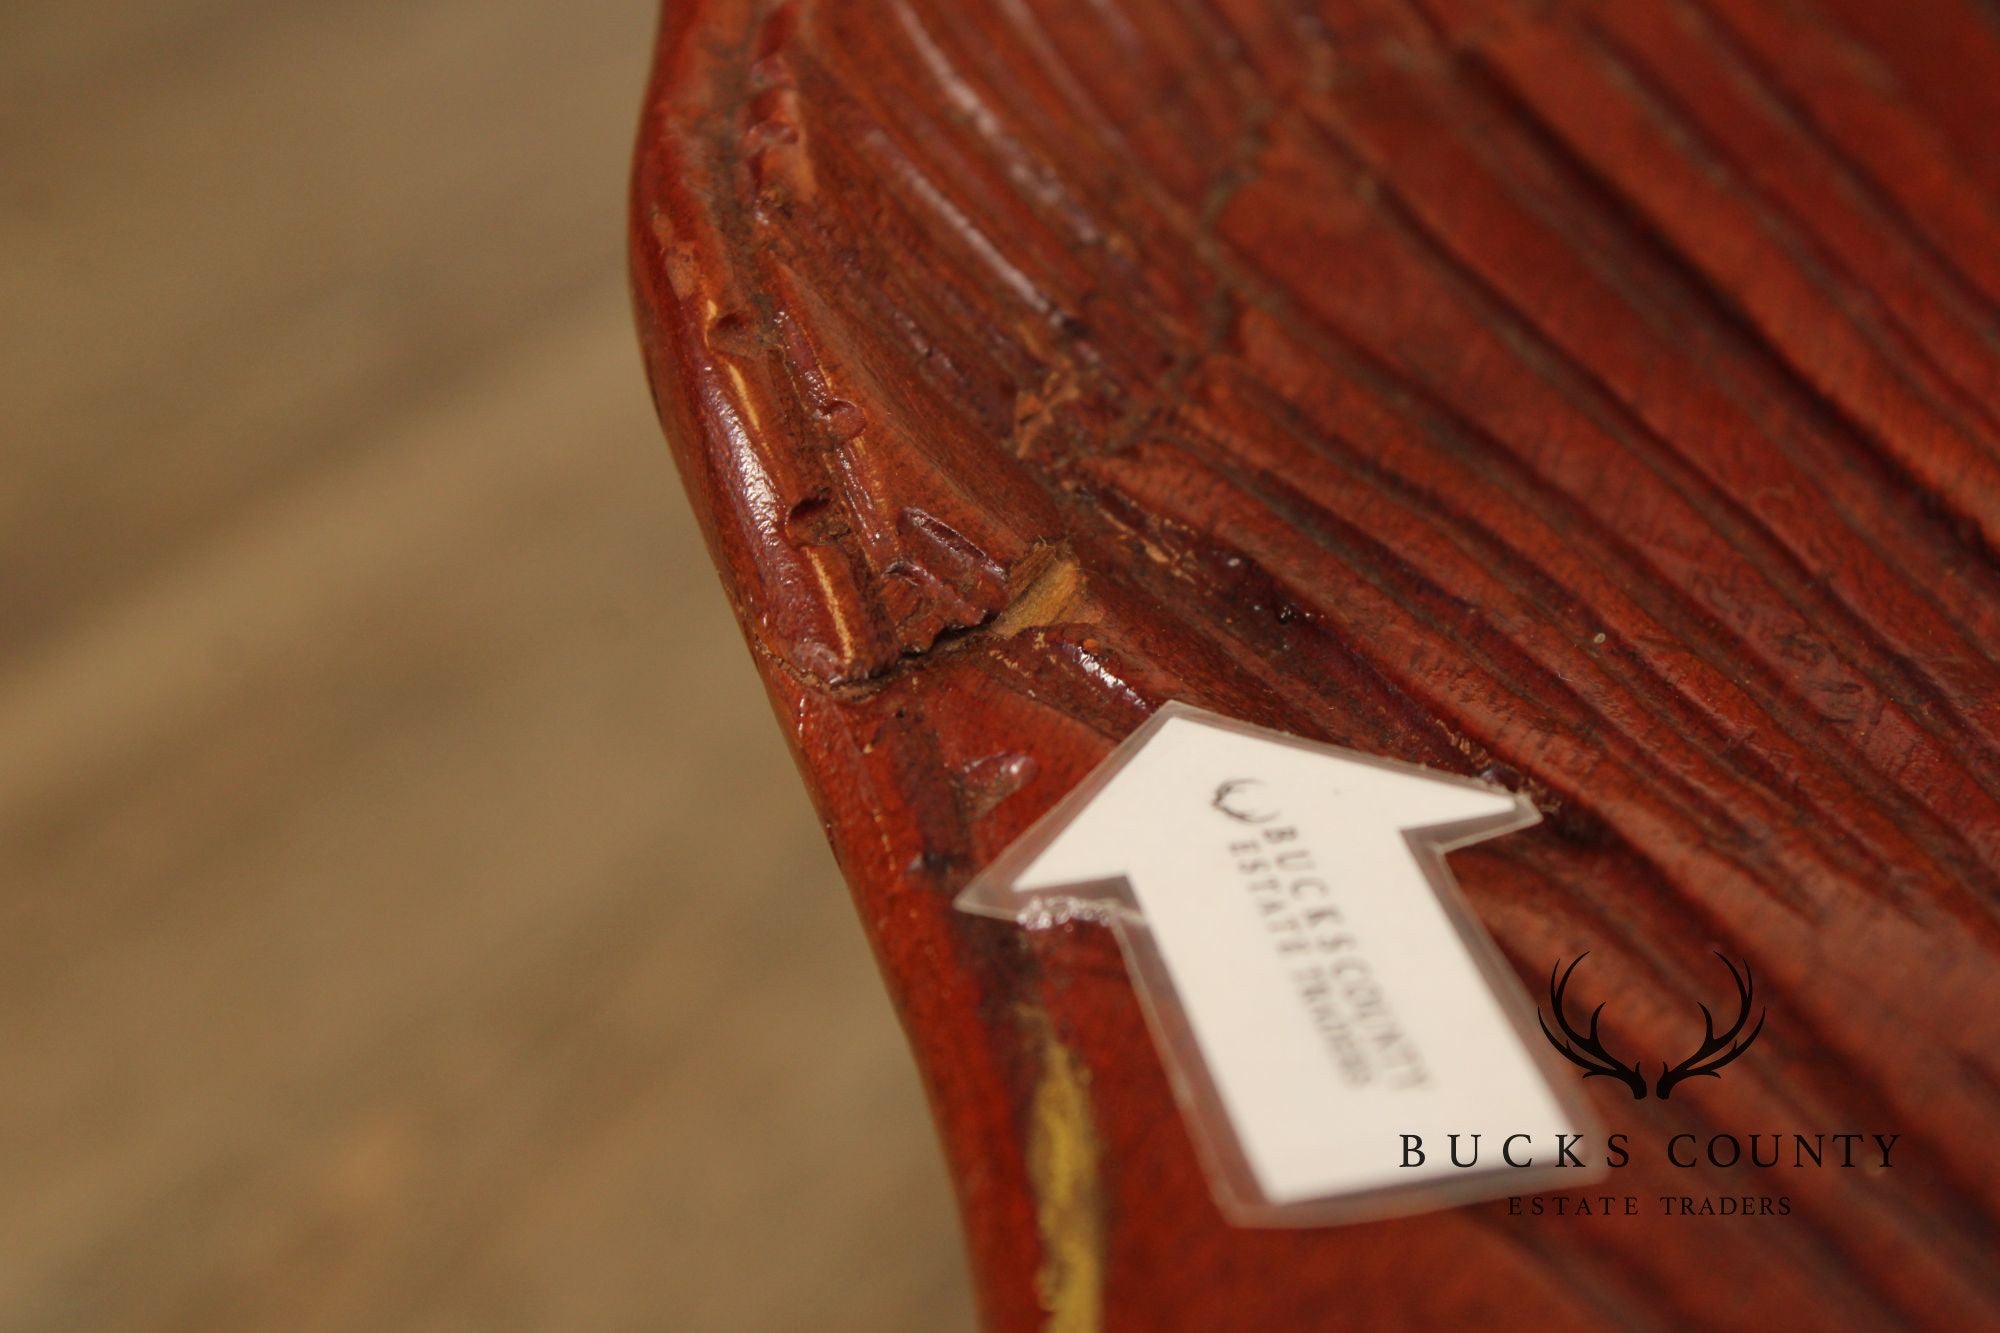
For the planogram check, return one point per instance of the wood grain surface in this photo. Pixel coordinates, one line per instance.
(408, 918)
(1597, 397)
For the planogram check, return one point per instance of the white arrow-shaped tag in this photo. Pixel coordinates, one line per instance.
(1328, 1009)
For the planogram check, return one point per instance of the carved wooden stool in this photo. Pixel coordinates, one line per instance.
(1600, 397)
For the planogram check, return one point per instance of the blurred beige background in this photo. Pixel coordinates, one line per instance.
(409, 916)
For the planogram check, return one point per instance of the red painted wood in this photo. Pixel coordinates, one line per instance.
(1601, 397)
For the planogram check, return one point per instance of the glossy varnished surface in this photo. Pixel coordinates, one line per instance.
(1597, 397)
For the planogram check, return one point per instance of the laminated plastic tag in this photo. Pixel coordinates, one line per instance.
(1327, 1008)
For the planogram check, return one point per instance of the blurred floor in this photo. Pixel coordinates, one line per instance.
(409, 916)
